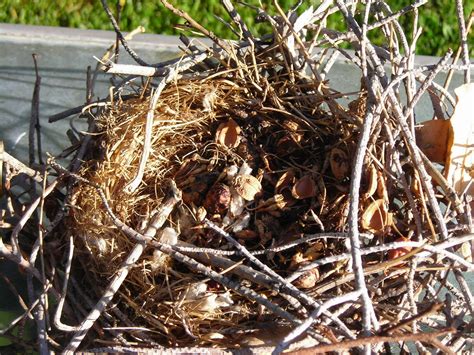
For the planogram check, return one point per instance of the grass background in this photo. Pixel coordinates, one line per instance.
(437, 17)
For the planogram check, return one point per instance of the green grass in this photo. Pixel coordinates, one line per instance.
(438, 18)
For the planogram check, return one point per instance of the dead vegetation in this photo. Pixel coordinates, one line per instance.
(232, 199)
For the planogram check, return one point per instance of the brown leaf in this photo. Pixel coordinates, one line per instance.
(276, 202)
(285, 181)
(304, 188)
(381, 186)
(247, 186)
(308, 279)
(376, 217)
(432, 138)
(460, 156)
(339, 162)
(228, 134)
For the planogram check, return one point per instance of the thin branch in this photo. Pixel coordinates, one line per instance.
(428, 338)
(120, 36)
(172, 75)
(439, 248)
(463, 37)
(121, 274)
(295, 333)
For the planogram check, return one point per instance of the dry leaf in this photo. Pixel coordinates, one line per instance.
(376, 216)
(340, 165)
(432, 138)
(276, 202)
(308, 279)
(291, 126)
(213, 336)
(228, 134)
(285, 181)
(460, 156)
(247, 186)
(246, 234)
(304, 188)
(381, 186)
(372, 183)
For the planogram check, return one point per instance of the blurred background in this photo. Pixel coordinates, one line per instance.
(438, 17)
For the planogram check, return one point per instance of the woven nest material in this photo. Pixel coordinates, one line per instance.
(239, 201)
(244, 162)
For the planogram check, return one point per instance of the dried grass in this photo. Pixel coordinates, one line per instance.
(266, 204)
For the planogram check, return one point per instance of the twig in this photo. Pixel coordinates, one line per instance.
(121, 274)
(238, 20)
(57, 315)
(295, 333)
(439, 248)
(34, 122)
(130, 69)
(196, 25)
(21, 168)
(42, 308)
(428, 338)
(26, 313)
(465, 290)
(463, 37)
(447, 81)
(120, 36)
(172, 75)
(434, 308)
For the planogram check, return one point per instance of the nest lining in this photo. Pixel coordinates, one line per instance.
(276, 145)
(254, 157)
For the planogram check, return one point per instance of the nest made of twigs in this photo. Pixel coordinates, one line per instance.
(240, 197)
(204, 132)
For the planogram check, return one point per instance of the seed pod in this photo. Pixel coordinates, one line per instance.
(247, 186)
(376, 217)
(304, 188)
(228, 134)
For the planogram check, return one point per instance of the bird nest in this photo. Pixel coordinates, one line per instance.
(240, 201)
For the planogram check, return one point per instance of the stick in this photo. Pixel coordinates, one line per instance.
(34, 122)
(121, 274)
(349, 344)
(120, 36)
(130, 69)
(172, 75)
(295, 333)
(463, 37)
